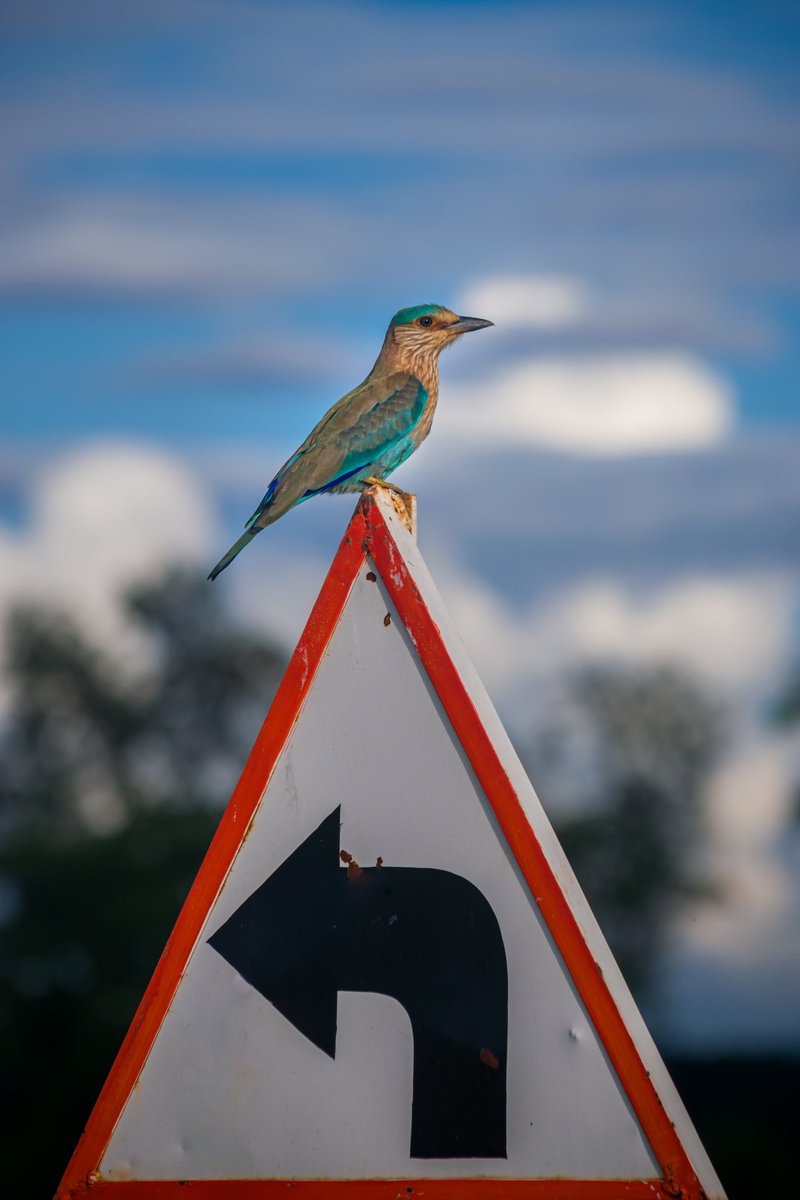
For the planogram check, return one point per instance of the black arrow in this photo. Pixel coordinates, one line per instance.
(426, 937)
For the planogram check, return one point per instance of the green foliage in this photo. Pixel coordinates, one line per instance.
(89, 742)
(85, 922)
(787, 710)
(786, 713)
(623, 770)
(109, 795)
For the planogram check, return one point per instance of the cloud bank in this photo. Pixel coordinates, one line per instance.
(535, 302)
(612, 405)
(101, 518)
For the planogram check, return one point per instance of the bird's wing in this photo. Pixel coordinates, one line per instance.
(347, 446)
(351, 435)
(380, 416)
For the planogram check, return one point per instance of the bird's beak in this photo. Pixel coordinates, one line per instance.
(466, 324)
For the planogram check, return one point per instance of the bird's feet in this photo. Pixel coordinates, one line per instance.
(373, 481)
(407, 499)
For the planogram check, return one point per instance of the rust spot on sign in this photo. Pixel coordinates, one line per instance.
(670, 1185)
(488, 1059)
(371, 576)
(353, 869)
(404, 504)
(387, 620)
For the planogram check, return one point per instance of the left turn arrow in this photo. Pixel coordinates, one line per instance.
(428, 938)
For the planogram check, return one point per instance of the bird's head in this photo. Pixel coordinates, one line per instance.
(427, 329)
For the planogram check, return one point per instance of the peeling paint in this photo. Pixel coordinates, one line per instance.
(303, 655)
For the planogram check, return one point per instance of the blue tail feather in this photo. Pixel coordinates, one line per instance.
(235, 549)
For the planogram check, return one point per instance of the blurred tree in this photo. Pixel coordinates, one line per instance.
(787, 710)
(786, 713)
(623, 766)
(107, 791)
(89, 744)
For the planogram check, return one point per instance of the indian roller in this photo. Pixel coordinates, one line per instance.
(374, 428)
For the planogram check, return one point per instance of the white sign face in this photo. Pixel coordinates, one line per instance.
(374, 992)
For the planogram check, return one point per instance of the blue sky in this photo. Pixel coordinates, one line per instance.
(181, 174)
(210, 212)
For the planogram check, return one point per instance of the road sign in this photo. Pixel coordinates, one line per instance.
(385, 981)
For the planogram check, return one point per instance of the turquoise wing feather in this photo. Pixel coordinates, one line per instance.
(357, 431)
(380, 433)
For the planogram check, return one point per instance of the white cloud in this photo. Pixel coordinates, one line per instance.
(749, 803)
(101, 518)
(750, 799)
(733, 633)
(606, 405)
(749, 944)
(719, 628)
(143, 244)
(527, 301)
(301, 576)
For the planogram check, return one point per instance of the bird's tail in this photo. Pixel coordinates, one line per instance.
(228, 558)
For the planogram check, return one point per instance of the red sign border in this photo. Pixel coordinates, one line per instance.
(368, 535)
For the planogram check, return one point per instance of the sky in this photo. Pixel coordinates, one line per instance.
(210, 212)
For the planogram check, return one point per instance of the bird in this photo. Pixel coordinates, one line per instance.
(373, 428)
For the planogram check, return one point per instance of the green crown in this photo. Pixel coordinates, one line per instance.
(407, 315)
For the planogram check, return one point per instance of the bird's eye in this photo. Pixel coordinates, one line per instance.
(426, 321)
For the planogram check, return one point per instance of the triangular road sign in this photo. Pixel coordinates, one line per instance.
(385, 981)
